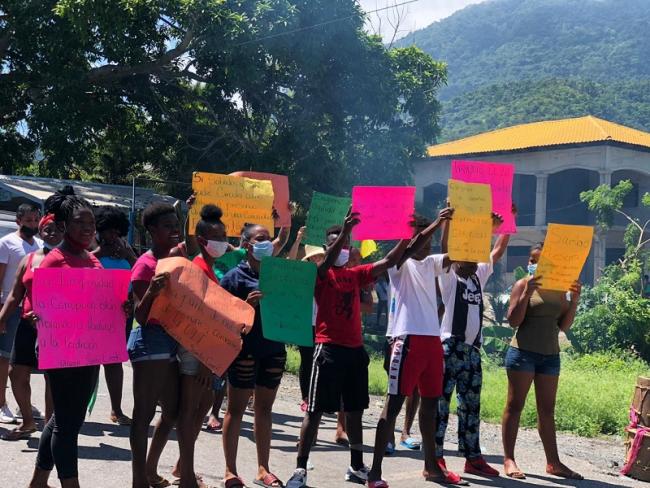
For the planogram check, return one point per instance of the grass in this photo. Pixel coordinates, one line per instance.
(593, 397)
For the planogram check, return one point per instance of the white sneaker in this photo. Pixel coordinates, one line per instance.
(359, 476)
(6, 417)
(298, 479)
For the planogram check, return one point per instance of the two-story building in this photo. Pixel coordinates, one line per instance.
(555, 161)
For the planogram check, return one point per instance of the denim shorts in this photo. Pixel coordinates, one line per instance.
(188, 364)
(151, 343)
(7, 339)
(532, 362)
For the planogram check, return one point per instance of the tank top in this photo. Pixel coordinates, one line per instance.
(539, 331)
(28, 280)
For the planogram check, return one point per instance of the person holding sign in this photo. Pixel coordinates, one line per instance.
(72, 387)
(257, 370)
(152, 351)
(340, 364)
(416, 360)
(23, 356)
(462, 295)
(537, 315)
(196, 394)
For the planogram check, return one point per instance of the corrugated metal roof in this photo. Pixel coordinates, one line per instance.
(580, 130)
(38, 189)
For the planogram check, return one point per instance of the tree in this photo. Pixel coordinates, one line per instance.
(106, 90)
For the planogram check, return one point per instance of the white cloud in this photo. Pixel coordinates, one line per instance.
(412, 16)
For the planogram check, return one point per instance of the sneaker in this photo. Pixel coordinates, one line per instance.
(480, 467)
(6, 417)
(298, 479)
(357, 476)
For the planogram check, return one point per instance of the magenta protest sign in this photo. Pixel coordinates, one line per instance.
(81, 321)
(499, 176)
(385, 212)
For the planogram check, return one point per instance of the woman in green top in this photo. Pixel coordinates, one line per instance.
(538, 316)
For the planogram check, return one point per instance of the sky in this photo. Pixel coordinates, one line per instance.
(413, 16)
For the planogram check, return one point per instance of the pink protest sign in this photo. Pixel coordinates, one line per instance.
(385, 212)
(81, 321)
(499, 176)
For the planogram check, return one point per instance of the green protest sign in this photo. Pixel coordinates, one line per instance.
(287, 305)
(324, 212)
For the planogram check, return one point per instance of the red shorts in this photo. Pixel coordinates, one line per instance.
(416, 361)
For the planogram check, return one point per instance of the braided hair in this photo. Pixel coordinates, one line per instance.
(63, 204)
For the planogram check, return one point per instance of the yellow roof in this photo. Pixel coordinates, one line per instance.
(580, 130)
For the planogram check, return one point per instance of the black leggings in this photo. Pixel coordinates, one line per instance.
(72, 389)
(304, 373)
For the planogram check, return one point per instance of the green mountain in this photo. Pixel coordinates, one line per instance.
(517, 61)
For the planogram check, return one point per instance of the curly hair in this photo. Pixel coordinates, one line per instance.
(154, 211)
(109, 217)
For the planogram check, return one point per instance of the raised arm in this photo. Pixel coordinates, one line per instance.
(421, 239)
(391, 259)
(519, 298)
(333, 251)
(566, 320)
(191, 246)
(293, 252)
(281, 240)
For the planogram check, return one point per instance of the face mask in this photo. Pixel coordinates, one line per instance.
(343, 258)
(262, 249)
(216, 249)
(532, 268)
(28, 232)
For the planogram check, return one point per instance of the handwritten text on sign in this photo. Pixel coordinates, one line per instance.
(324, 212)
(566, 249)
(202, 316)
(500, 177)
(242, 200)
(81, 316)
(280, 193)
(287, 310)
(385, 212)
(470, 230)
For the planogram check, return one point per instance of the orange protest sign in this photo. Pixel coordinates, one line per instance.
(470, 230)
(280, 193)
(200, 315)
(243, 200)
(565, 251)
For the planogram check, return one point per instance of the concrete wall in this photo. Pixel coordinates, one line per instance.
(547, 188)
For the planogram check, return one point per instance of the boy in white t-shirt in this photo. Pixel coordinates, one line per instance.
(416, 359)
(462, 295)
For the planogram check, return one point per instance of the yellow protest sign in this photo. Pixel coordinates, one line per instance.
(243, 200)
(470, 230)
(565, 252)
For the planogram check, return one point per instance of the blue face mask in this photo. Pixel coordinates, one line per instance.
(532, 268)
(262, 249)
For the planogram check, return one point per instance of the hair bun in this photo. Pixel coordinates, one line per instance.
(66, 190)
(211, 213)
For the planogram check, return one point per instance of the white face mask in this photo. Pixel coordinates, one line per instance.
(216, 249)
(343, 258)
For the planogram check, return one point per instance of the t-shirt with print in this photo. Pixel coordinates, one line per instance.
(463, 300)
(338, 296)
(13, 249)
(414, 302)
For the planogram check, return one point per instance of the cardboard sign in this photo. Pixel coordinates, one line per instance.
(81, 320)
(470, 230)
(385, 212)
(280, 194)
(287, 306)
(565, 252)
(243, 200)
(199, 314)
(324, 212)
(500, 178)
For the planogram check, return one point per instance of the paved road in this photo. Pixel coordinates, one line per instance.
(105, 455)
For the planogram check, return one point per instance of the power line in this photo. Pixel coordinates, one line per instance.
(327, 22)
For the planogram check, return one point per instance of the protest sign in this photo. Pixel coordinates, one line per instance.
(287, 305)
(243, 200)
(500, 177)
(280, 194)
(565, 251)
(470, 230)
(200, 315)
(81, 319)
(324, 212)
(386, 212)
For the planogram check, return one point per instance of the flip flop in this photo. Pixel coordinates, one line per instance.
(235, 482)
(411, 443)
(378, 484)
(270, 481)
(18, 435)
(390, 449)
(516, 475)
(121, 420)
(214, 426)
(160, 483)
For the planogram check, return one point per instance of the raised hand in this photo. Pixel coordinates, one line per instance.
(575, 290)
(533, 283)
(497, 220)
(351, 219)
